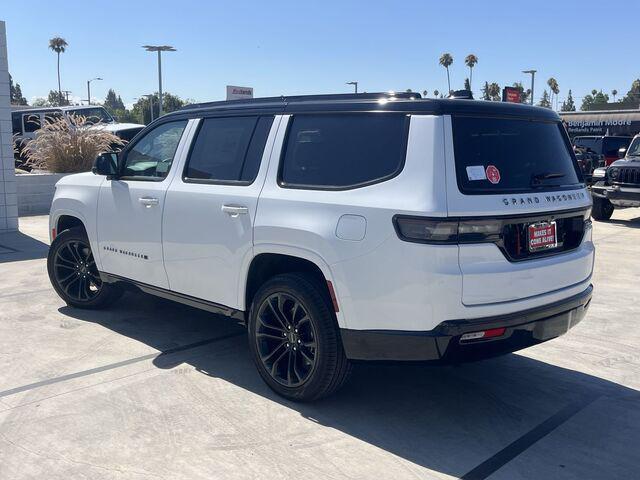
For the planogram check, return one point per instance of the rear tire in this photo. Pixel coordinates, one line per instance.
(294, 338)
(74, 275)
(602, 209)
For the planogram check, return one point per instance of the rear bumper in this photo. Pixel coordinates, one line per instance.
(443, 343)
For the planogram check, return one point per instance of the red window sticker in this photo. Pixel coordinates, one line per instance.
(493, 174)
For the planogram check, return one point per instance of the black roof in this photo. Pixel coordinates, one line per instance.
(368, 102)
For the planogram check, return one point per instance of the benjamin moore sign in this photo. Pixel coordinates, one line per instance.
(599, 123)
(239, 93)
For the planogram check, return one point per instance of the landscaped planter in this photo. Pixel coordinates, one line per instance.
(35, 192)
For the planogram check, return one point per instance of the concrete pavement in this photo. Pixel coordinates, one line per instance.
(152, 389)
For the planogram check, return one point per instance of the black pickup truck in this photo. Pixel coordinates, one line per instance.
(617, 186)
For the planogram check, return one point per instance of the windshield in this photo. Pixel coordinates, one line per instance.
(93, 115)
(634, 148)
(499, 155)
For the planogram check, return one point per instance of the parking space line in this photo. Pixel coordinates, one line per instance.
(111, 366)
(511, 451)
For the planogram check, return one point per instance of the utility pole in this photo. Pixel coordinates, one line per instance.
(533, 76)
(159, 49)
(66, 93)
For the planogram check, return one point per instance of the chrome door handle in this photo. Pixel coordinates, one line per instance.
(235, 210)
(148, 201)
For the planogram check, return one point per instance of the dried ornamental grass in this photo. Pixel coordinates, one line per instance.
(69, 145)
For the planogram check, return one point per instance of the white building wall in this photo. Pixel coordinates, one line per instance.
(8, 195)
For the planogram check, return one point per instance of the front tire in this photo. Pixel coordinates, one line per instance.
(73, 272)
(602, 209)
(294, 339)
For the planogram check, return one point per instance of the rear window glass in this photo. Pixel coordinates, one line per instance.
(497, 155)
(343, 151)
(611, 145)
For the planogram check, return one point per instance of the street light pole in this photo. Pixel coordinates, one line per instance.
(89, 89)
(355, 85)
(159, 49)
(533, 76)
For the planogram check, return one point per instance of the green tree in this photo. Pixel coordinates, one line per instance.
(113, 102)
(593, 101)
(614, 92)
(446, 60)
(470, 61)
(568, 105)
(485, 91)
(58, 45)
(170, 103)
(436, 93)
(15, 93)
(56, 99)
(633, 95)
(40, 102)
(544, 101)
(494, 92)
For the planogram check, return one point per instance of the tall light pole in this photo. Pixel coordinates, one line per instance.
(533, 76)
(159, 49)
(89, 89)
(355, 84)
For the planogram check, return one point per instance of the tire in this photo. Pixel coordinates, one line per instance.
(602, 209)
(74, 275)
(305, 362)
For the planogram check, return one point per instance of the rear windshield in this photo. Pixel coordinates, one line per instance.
(498, 155)
(611, 145)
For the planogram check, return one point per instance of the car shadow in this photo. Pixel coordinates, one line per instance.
(16, 246)
(631, 223)
(448, 419)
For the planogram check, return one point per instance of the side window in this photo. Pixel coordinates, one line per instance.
(31, 122)
(228, 149)
(16, 123)
(151, 157)
(343, 151)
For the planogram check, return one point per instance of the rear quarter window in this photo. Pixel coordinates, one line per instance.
(335, 152)
(500, 155)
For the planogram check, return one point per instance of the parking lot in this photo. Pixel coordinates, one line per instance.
(153, 389)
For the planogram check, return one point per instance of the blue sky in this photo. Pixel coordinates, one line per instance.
(296, 47)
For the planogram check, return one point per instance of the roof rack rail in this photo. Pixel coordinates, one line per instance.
(306, 98)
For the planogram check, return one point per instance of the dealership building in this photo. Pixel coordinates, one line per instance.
(602, 122)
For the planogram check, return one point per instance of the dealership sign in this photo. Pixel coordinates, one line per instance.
(239, 93)
(602, 123)
(511, 94)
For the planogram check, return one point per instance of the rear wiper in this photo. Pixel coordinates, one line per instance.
(537, 178)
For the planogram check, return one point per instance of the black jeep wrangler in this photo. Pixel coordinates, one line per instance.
(617, 186)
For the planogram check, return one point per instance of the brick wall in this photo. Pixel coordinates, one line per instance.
(8, 196)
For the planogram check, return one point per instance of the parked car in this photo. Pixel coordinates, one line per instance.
(606, 145)
(587, 162)
(618, 186)
(340, 228)
(27, 121)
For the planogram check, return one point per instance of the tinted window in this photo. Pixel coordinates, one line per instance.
(611, 145)
(228, 149)
(153, 154)
(591, 145)
(92, 115)
(16, 123)
(31, 122)
(51, 117)
(495, 155)
(338, 151)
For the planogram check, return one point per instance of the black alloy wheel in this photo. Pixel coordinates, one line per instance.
(286, 339)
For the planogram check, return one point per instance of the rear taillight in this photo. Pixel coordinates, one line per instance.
(438, 231)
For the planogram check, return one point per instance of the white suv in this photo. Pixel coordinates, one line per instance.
(340, 228)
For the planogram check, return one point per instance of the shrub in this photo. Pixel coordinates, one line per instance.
(69, 145)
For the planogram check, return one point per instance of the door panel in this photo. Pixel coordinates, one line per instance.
(130, 208)
(208, 224)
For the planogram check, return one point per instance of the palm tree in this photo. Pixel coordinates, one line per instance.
(58, 45)
(470, 61)
(494, 91)
(446, 60)
(614, 92)
(553, 87)
(435, 93)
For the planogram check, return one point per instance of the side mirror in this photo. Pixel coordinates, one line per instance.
(106, 164)
(622, 152)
